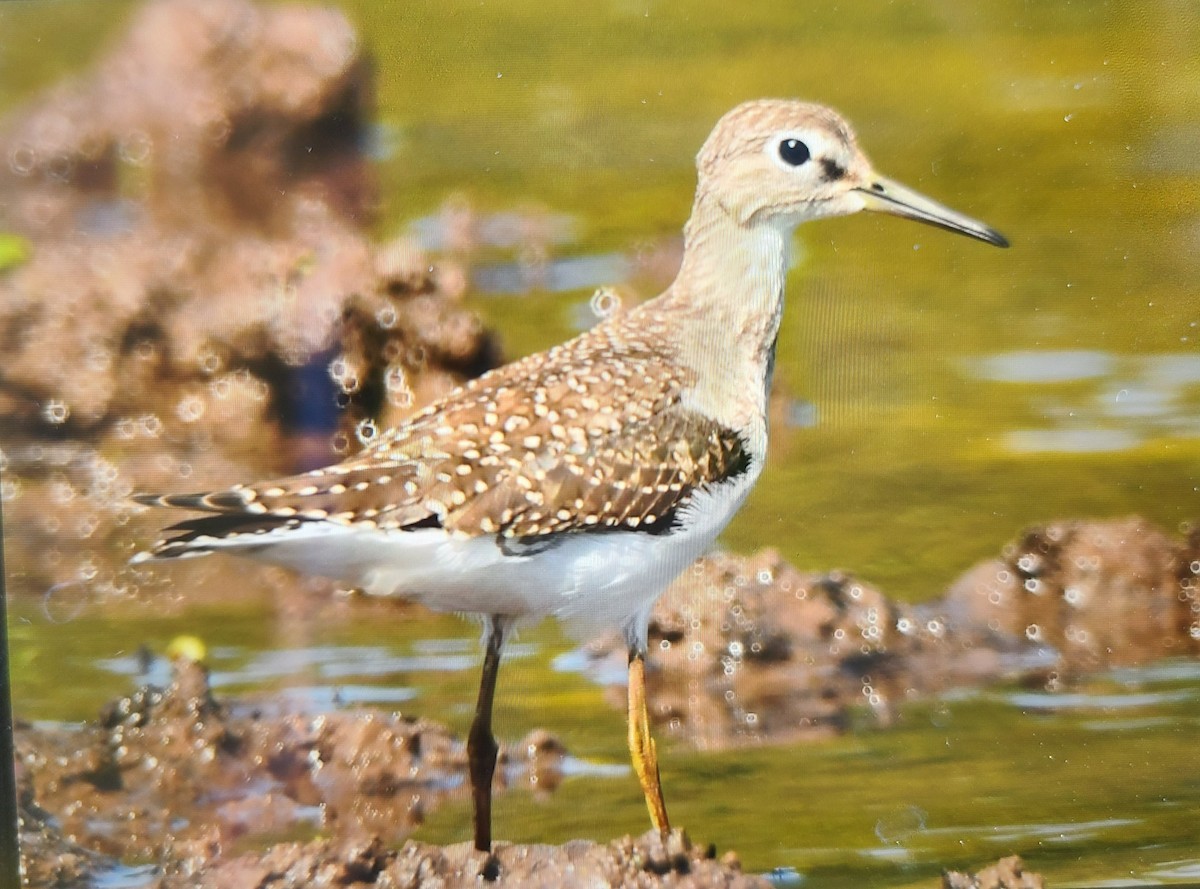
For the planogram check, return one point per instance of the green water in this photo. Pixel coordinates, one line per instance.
(1069, 126)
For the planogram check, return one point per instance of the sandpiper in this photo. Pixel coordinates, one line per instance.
(580, 481)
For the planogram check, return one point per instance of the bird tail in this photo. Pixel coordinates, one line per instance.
(226, 525)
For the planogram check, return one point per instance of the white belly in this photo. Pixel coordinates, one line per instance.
(590, 581)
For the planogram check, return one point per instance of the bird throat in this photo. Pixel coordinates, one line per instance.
(727, 301)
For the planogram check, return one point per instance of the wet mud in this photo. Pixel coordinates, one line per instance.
(750, 649)
(182, 783)
(174, 775)
(1095, 593)
(644, 861)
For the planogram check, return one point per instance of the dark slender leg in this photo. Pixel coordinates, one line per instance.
(641, 745)
(481, 745)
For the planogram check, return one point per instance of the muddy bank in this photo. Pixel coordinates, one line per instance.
(746, 650)
(169, 786)
(643, 861)
(177, 780)
(175, 765)
(172, 769)
(640, 862)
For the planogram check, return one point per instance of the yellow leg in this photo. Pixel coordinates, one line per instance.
(641, 745)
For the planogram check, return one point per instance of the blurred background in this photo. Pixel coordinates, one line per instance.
(237, 239)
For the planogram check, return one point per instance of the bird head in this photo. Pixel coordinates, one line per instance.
(782, 162)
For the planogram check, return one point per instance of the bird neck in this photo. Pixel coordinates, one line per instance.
(726, 304)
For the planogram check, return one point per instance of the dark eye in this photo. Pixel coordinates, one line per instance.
(794, 152)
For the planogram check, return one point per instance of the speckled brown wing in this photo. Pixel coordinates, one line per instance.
(635, 479)
(563, 440)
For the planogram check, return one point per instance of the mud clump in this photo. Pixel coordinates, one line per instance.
(179, 778)
(750, 649)
(176, 777)
(216, 110)
(173, 768)
(47, 857)
(1099, 594)
(200, 304)
(643, 861)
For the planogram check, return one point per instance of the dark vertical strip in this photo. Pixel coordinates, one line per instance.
(9, 860)
(481, 743)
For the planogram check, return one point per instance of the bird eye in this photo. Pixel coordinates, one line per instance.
(794, 152)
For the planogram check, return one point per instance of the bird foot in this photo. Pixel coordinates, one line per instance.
(489, 868)
(664, 853)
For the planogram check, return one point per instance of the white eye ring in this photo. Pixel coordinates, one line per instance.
(814, 142)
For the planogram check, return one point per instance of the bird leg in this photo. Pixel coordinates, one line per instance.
(481, 745)
(641, 744)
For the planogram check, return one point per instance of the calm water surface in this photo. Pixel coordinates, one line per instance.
(936, 395)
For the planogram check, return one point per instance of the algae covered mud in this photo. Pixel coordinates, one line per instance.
(234, 246)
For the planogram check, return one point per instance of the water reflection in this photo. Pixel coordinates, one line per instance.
(555, 276)
(1065, 832)
(457, 226)
(1063, 701)
(487, 240)
(1028, 366)
(121, 876)
(1070, 441)
(234, 667)
(1117, 402)
(1185, 869)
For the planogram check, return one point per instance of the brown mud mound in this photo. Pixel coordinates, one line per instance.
(176, 778)
(205, 110)
(174, 766)
(628, 862)
(750, 649)
(200, 304)
(1098, 593)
